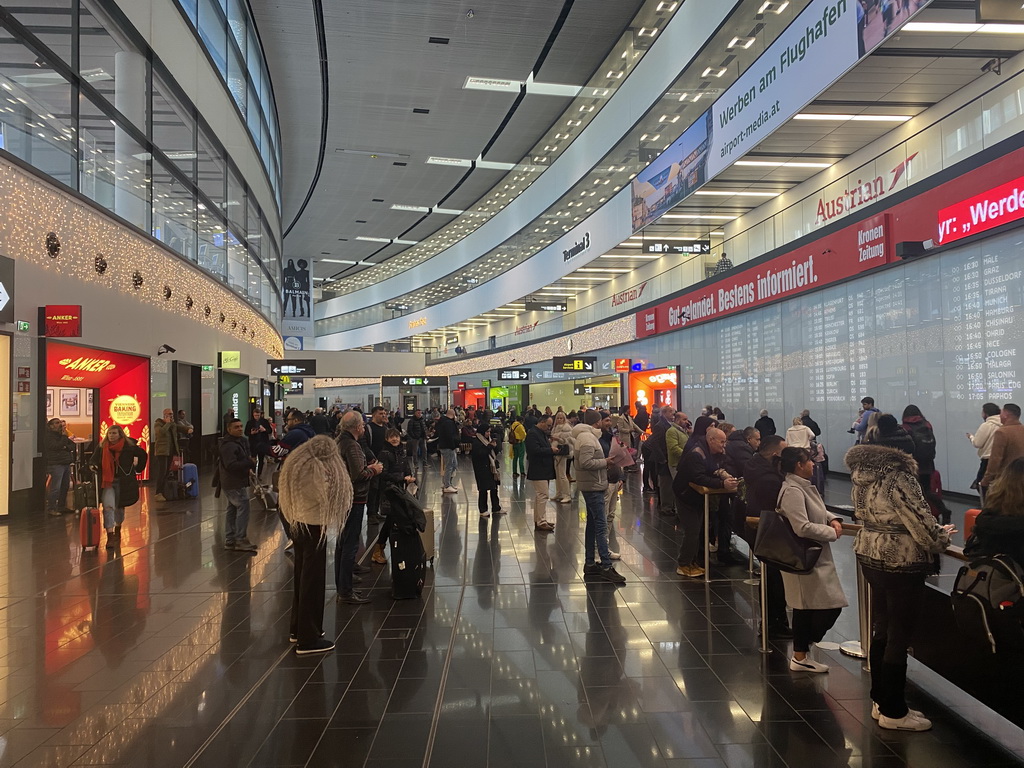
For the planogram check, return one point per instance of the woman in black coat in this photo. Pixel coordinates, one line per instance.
(485, 469)
(396, 473)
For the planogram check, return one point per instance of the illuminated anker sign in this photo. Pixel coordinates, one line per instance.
(91, 364)
(577, 248)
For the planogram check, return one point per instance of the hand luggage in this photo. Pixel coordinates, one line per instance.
(171, 487)
(190, 479)
(266, 496)
(427, 536)
(84, 494)
(969, 517)
(91, 523)
(408, 565)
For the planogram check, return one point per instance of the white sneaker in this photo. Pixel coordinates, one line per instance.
(485, 514)
(909, 722)
(807, 665)
(877, 713)
(713, 547)
(450, 489)
(614, 555)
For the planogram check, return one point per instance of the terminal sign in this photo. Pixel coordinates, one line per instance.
(513, 374)
(574, 364)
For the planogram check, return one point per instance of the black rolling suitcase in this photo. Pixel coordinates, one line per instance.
(408, 565)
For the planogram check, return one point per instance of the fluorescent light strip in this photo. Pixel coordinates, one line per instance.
(708, 217)
(963, 29)
(632, 256)
(589, 279)
(734, 193)
(456, 161)
(416, 208)
(335, 261)
(781, 164)
(605, 269)
(855, 118)
(374, 239)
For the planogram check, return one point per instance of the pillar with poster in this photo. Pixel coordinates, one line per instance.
(297, 305)
(655, 387)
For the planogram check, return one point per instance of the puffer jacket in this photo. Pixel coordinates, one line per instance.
(900, 534)
(563, 433)
(589, 461)
(315, 487)
(359, 474)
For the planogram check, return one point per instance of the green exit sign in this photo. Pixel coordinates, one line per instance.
(207, 368)
(485, 383)
(23, 326)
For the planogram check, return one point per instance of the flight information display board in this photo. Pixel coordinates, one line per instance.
(942, 332)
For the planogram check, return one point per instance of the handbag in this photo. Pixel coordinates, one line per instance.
(176, 463)
(778, 545)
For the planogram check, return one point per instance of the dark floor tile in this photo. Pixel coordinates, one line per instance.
(681, 734)
(360, 709)
(631, 744)
(291, 742)
(515, 742)
(460, 746)
(342, 748)
(413, 695)
(401, 737)
(726, 723)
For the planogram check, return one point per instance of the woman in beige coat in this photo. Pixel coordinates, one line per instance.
(561, 434)
(816, 597)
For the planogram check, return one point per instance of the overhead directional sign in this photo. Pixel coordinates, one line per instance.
(6, 290)
(292, 367)
(661, 246)
(547, 306)
(513, 374)
(408, 381)
(574, 364)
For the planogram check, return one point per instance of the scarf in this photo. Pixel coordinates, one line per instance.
(111, 454)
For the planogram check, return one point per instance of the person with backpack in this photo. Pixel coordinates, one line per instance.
(517, 439)
(897, 548)
(921, 432)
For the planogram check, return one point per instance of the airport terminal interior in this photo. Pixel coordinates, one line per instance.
(620, 275)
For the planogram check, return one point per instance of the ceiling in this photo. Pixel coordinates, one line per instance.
(381, 66)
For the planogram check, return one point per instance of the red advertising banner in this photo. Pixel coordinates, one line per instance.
(988, 210)
(63, 320)
(855, 249)
(851, 250)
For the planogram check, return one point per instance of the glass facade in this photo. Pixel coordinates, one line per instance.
(84, 101)
(228, 33)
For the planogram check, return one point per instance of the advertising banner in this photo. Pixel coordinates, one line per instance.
(297, 305)
(823, 43)
(988, 210)
(62, 320)
(848, 252)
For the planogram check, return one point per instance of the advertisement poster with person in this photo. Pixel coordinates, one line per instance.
(297, 303)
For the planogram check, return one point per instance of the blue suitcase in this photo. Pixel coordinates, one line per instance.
(190, 480)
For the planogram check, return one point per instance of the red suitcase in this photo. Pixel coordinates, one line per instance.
(969, 517)
(91, 523)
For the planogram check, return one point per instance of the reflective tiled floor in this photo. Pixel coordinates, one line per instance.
(173, 652)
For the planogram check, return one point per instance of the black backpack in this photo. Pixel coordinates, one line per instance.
(988, 602)
(924, 443)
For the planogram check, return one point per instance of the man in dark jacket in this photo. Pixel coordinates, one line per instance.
(447, 444)
(320, 423)
(764, 482)
(297, 431)
(416, 431)
(698, 466)
(805, 417)
(765, 425)
(740, 447)
(642, 418)
(361, 474)
(236, 465)
(540, 470)
(658, 451)
(58, 453)
(376, 437)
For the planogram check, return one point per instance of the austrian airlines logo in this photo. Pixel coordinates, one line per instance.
(859, 194)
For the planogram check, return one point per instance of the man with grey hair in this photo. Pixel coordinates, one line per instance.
(320, 423)
(361, 473)
(698, 466)
(447, 444)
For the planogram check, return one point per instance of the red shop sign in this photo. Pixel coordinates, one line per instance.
(988, 210)
(63, 320)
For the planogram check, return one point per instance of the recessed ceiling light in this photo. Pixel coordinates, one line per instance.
(773, 6)
(415, 208)
(713, 72)
(963, 29)
(781, 164)
(741, 42)
(337, 261)
(456, 161)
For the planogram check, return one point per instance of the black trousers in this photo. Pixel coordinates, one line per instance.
(811, 624)
(309, 585)
(482, 500)
(776, 595)
(895, 606)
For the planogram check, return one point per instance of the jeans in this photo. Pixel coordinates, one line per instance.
(60, 475)
(418, 450)
(595, 536)
(540, 500)
(451, 462)
(113, 515)
(519, 459)
(236, 523)
(895, 606)
(346, 548)
(810, 625)
(308, 589)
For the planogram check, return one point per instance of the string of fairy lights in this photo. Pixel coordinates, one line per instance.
(48, 228)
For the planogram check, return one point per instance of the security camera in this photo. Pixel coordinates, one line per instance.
(164, 349)
(995, 66)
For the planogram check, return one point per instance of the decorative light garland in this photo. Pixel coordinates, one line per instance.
(55, 231)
